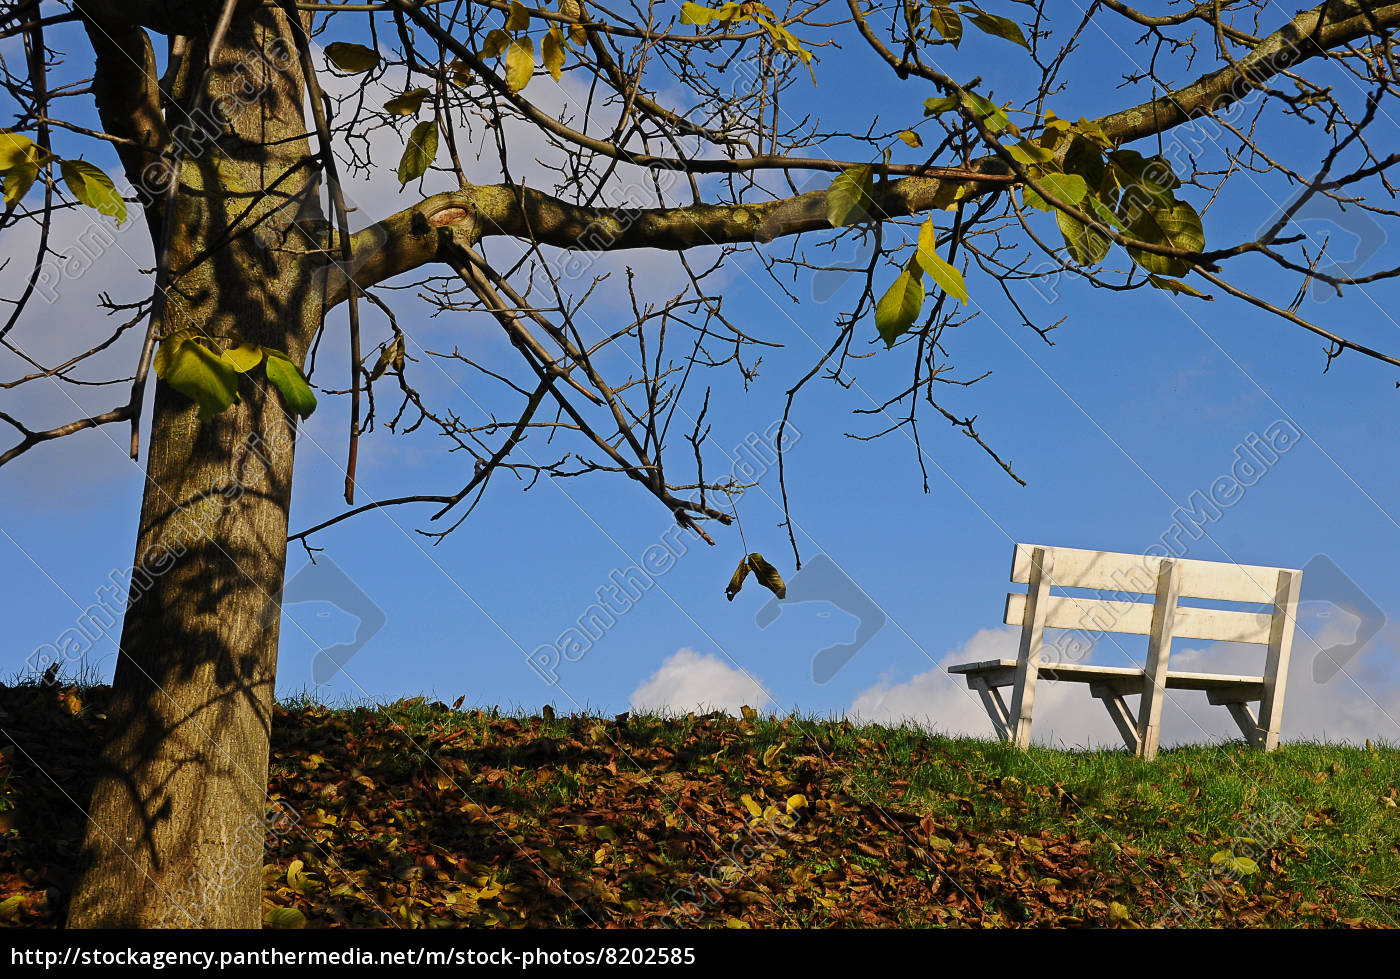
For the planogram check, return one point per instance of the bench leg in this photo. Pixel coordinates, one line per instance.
(1276, 666)
(1239, 710)
(1159, 646)
(996, 707)
(1032, 637)
(1118, 710)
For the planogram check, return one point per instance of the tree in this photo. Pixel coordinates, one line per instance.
(233, 138)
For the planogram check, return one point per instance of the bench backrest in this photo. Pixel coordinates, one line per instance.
(1134, 575)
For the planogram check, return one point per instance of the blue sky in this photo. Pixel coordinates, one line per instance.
(1143, 400)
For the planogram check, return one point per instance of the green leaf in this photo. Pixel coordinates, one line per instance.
(552, 52)
(946, 22)
(202, 376)
(406, 104)
(1233, 864)
(420, 152)
(1177, 225)
(10, 907)
(244, 357)
(1146, 181)
(1179, 287)
(288, 378)
(899, 306)
(849, 200)
(93, 187)
(518, 19)
(1027, 153)
(947, 278)
(520, 63)
(1003, 27)
(939, 104)
(696, 15)
(1068, 187)
(992, 115)
(284, 918)
(1086, 245)
(351, 58)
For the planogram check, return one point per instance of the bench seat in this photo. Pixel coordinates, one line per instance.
(1120, 679)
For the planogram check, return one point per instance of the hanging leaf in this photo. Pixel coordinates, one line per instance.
(291, 382)
(16, 149)
(406, 104)
(736, 582)
(351, 58)
(518, 19)
(420, 152)
(899, 306)
(93, 187)
(461, 72)
(1179, 287)
(767, 575)
(946, 22)
(552, 52)
(912, 138)
(944, 275)
(495, 43)
(391, 356)
(18, 180)
(696, 15)
(1086, 245)
(1003, 27)
(849, 200)
(520, 63)
(200, 375)
(1177, 225)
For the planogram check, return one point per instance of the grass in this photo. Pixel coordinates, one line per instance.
(418, 814)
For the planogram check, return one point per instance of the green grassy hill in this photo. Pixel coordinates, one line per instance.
(421, 815)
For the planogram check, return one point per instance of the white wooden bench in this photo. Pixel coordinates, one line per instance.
(1168, 580)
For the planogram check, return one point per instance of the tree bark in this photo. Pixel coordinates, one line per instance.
(178, 817)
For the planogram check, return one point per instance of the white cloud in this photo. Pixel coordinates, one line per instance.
(1360, 703)
(688, 681)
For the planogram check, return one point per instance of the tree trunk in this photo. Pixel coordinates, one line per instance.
(178, 816)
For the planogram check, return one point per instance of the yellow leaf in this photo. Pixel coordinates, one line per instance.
(771, 755)
(754, 808)
(16, 148)
(552, 52)
(519, 18)
(244, 357)
(797, 802)
(912, 138)
(520, 63)
(406, 104)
